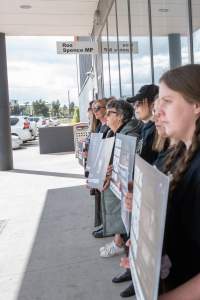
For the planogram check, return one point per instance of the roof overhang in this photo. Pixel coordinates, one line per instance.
(47, 17)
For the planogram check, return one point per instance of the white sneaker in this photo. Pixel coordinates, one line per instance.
(112, 250)
(105, 246)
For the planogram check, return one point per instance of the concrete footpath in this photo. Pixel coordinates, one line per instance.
(47, 251)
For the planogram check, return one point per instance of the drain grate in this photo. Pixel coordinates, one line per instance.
(2, 225)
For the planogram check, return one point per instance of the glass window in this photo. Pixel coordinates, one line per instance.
(113, 53)
(125, 59)
(170, 29)
(141, 43)
(196, 29)
(106, 76)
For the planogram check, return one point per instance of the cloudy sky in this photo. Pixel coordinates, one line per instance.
(36, 71)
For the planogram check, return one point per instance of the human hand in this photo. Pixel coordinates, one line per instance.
(124, 263)
(129, 201)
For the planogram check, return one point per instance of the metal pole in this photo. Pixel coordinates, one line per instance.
(151, 41)
(6, 159)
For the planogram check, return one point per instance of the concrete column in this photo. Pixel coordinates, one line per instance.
(175, 50)
(6, 160)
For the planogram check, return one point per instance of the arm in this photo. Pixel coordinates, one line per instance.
(187, 291)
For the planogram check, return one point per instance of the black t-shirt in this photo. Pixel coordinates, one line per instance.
(182, 233)
(146, 142)
(103, 129)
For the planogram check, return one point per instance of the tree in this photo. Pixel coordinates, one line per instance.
(76, 116)
(64, 111)
(40, 108)
(15, 109)
(71, 108)
(55, 108)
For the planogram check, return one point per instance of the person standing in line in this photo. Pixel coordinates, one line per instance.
(180, 111)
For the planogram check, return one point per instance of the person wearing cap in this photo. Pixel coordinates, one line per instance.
(143, 105)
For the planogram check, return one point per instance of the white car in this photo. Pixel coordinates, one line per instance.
(56, 122)
(16, 141)
(40, 121)
(33, 127)
(49, 122)
(20, 127)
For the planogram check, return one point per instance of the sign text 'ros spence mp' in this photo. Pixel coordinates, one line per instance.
(92, 47)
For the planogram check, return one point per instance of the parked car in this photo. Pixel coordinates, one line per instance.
(49, 122)
(20, 127)
(56, 122)
(40, 121)
(16, 141)
(33, 128)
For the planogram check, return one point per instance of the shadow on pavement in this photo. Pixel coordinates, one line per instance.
(59, 247)
(46, 173)
(64, 262)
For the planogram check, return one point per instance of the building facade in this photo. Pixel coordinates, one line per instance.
(161, 35)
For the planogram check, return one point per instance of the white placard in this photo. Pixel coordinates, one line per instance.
(150, 196)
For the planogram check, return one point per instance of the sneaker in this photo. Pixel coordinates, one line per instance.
(112, 250)
(105, 246)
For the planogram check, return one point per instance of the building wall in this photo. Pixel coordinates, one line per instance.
(166, 34)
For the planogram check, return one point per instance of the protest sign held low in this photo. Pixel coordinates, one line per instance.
(81, 159)
(100, 155)
(123, 162)
(95, 140)
(150, 196)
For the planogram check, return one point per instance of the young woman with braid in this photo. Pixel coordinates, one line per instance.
(180, 112)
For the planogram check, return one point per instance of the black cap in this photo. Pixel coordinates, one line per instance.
(148, 91)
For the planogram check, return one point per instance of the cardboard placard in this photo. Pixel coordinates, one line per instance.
(101, 155)
(150, 196)
(123, 162)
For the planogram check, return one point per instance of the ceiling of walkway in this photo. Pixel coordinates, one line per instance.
(47, 17)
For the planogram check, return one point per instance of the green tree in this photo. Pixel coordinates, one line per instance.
(15, 109)
(55, 108)
(76, 116)
(40, 108)
(71, 108)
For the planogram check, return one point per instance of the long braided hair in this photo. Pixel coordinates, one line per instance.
(186, 81)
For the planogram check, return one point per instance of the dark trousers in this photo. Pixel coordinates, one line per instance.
(98, 211)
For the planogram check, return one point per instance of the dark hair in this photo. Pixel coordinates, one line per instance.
(123, 108)
(186, 81)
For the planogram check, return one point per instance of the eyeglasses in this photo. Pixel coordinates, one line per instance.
(110, 112)
(97, 108)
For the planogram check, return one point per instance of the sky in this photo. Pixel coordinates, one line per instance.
(36, 71)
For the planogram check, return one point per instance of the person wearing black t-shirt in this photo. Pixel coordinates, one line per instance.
(180, 110)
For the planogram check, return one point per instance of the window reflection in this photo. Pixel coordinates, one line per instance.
(106, 77)
(196, 29)
(170, 35)
(125, 60)
(141, 42)
(114, 66)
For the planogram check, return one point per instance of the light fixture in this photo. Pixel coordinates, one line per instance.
(25, 6)
(163, 10)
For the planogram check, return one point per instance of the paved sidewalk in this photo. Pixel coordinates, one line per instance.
(46, 218)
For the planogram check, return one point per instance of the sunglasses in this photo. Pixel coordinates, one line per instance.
(97, 108)
(108, 113)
